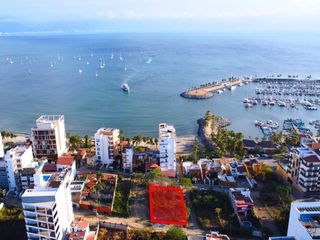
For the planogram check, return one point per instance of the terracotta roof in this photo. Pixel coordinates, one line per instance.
(91, 236)
(82, 224)
(311, 158)
(154, 165)
(77, 235)
(65, 160)
(49, 167)
(169, 173)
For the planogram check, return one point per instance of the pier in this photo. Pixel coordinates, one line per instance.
(207, 90)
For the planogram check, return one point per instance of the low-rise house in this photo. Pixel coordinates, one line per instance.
(67, 161)
(253, 167)
(267, 146)
(249, 144)
(241, 202)
(81, 231)
(98, 192)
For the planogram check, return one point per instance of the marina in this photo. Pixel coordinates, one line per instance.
(286, 93)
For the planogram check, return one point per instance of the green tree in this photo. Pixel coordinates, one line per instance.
(195, 150)
(185, 182)
(75, 141)
(175, 233)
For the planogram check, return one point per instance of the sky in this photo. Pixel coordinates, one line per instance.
(159, 15)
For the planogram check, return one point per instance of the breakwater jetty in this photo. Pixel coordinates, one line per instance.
(208, 90)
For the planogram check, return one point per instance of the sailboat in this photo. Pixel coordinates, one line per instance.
(80, 71)
(120, 57)
(111, 57)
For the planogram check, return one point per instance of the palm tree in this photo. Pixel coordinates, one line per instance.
(218, 211)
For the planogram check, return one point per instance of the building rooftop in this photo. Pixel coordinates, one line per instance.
(312, 159)
(106, 131)
(49, 118)
(66, 160)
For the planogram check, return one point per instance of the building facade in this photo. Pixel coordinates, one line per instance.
(1, 147)
(167, 148)
(47, 207)
(304, 169)
(16, 159)
(107, 145)
(304, 219)
(49, 136)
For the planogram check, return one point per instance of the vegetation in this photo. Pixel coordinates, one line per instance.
(229, 143)
(6, 134)
(185, 182)
(175, 233)
(292, 139)
(12, 224)
(212, 209)
(276, 194)
(121, 205)
(196, 150)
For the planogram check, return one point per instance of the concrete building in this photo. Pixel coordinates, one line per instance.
(1, 147)
(127, 156)
(67, 161)
(49, 136)
(167, 147)
(47, 207)
(16, 159)
(304, 169)
(3, 175)
(107, 145)
(304, 220)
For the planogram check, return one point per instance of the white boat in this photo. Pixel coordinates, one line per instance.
(120, 57)
(125, 68)
(264, 102)
(246, 100)
(97, 74)
(232, 87)
(102, 63)
(247, 105)
(219, 91)
(281, 104)
(149, 60)
(88, 63)
(125, 87)
(80, 71)
(111, 57)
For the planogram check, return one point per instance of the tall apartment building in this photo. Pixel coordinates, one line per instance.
(47, 207)
(304, 220)
(49, 136)
(15, 160)
(304, 168)
(167, 145)
(107, 145)
(1, 147)
(127, 156)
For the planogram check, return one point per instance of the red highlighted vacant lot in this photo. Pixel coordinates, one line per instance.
(167, 205)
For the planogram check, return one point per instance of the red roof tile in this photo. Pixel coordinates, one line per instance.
(312, 158)
(49, 167)
(65, 160)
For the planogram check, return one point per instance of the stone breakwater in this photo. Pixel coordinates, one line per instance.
(207, 90)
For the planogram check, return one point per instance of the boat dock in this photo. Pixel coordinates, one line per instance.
(208, 90)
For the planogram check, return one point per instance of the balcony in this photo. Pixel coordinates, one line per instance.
(30, 216)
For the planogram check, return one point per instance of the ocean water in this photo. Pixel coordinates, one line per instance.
(157, 67)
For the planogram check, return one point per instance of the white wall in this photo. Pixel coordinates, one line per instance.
(1, 147)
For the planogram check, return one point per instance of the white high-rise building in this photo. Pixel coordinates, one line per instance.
(15, 160)
(107, 145)
(1, 147)
(304, 220)
(167, 145)
(49, 136)
(47, 207)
